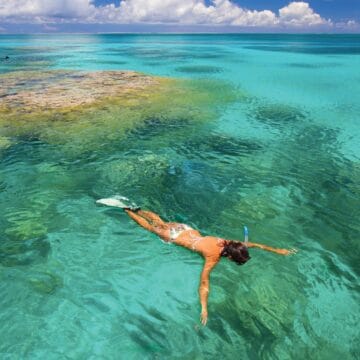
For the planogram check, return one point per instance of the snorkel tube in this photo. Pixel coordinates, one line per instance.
(246, 236)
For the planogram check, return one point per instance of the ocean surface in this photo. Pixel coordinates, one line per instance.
(274, 145)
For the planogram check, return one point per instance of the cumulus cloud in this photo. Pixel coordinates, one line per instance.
(300, 14)
(350, 25)
(221, 12)
(37, 9)
(189, 12)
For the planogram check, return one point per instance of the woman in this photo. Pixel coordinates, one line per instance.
(212, 248)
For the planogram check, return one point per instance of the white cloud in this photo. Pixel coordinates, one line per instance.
(350, 25)
(193, 12)
(49, 28)
(185, 12)
(300, 14)
(40, 10)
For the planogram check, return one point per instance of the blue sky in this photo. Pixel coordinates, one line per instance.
(179, 15)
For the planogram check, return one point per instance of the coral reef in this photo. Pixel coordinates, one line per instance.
(85, 110)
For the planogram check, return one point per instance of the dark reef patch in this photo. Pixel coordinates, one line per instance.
(313, 65)
(220, 144)
(111, 62)
(151, 63)
(215, 55)
(27, 62)
(45, 282)
(157, 126)
(143, 52)
(278, 114)
(325, 50)
(303, 65)
(199, 69)
(14, 251)
(232, 146)
(163, 55)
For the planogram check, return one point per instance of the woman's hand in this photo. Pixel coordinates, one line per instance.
(204, 317)
(286, 252)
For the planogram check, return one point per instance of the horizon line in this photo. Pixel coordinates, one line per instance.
(177, 33)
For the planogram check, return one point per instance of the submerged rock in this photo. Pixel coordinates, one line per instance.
(15, 251)
(222, 145)
(228, 145)
(4, 143)
(199, 69)
(134, 171)
(159, 125)
(45, 282)
(278, 114)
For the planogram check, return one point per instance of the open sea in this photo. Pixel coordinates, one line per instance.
(269, 138)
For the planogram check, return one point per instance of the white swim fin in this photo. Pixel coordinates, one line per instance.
(118, 201)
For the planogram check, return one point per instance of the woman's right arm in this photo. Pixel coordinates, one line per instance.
(204, 287)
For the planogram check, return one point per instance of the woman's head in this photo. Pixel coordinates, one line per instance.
(236, 251)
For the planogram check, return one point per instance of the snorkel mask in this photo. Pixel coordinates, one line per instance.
(246, 236)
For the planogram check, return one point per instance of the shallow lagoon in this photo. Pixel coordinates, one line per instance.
(246, 129)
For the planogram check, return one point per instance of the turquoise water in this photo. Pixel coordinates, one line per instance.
(80, 281)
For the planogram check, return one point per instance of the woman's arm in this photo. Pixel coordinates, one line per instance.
(269, 248)
(204, 288)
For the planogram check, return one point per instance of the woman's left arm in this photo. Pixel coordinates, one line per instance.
(204, 288)
(269, 248)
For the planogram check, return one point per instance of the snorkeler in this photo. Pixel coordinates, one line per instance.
(212, 248)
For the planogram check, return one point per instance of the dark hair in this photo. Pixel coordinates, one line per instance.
(236, 251)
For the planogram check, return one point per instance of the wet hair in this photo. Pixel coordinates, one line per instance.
(236, 251)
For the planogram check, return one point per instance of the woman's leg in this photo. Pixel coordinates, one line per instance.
(149, 215)
(161, 231)
(140, 220)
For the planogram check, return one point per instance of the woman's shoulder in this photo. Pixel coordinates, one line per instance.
(212, 248)
(218, 242)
